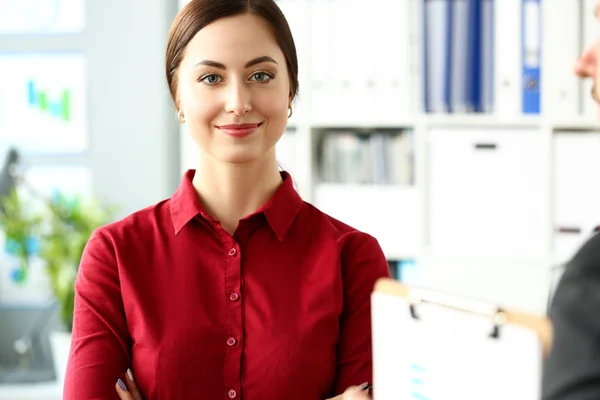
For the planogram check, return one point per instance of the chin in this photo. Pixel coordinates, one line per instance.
(240, 156)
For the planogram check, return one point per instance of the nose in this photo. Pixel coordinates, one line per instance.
(586, 65)
(238, 99)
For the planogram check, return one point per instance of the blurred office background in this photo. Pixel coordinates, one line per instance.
(454, 131)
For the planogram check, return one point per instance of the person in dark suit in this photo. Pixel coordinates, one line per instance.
(572, 370)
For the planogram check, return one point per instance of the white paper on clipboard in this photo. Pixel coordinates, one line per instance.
(443, 353)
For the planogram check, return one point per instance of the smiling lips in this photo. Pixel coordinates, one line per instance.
(239, 130)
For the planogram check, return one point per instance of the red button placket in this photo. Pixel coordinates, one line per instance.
(234, 328)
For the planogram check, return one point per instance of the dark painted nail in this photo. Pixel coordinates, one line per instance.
(120, 382)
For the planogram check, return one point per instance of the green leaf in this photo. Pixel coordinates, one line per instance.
(63, 226)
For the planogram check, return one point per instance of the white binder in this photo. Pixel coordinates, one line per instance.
(561, 87)
(428, 345)
(508, 59)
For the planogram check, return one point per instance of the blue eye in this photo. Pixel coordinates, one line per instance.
(210, 79)
(261, 76)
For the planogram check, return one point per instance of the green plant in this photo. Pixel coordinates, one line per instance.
(19, 227)
(63, 226)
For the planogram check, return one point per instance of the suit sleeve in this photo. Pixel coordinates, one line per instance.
(572, 371)
(363, 263)
(100, 339)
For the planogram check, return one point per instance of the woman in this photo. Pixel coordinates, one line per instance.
(233, 287)
(572, 371)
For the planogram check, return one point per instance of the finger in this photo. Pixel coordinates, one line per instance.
(355, 393)
(122, 391)
(131, 385)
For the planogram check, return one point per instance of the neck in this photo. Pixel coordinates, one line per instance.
(229, 192)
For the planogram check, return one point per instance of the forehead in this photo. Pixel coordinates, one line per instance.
(234, 39)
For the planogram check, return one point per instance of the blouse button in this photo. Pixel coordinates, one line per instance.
(234, 297)
(231, 342)
(232, 252)
(232, 394)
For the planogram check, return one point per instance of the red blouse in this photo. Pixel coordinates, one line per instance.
(281, 310)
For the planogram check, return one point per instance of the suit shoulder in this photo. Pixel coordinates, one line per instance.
(585, 264)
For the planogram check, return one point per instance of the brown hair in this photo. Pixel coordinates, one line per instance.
(199, 13)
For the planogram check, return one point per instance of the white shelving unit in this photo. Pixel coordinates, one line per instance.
(483, 215)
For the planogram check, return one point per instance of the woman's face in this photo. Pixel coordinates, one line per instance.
(234, 90)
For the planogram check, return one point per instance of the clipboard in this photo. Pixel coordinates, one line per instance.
(429, 345)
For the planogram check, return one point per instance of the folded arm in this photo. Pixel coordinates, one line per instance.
(363, 263)
(100, 340)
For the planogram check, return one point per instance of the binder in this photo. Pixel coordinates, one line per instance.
(430, 345)
(507, 54)
(487, 45)
(460, 57)
(561, 87)
(437, 35)
(475, 62)
(531, 40)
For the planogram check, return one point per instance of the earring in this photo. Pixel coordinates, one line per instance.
(290, 111)
(181, 117)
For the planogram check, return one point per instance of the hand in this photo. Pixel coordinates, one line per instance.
(354, 393)
(127, 389)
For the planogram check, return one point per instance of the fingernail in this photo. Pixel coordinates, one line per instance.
(122, 385)
(130, 374)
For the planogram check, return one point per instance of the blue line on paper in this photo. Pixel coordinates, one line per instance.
(417, 368)
(418, 396)
(417, 381)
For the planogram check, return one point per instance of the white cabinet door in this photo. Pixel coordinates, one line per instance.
(487, 192)
(576, 191)
(389, 213)
(522, 285)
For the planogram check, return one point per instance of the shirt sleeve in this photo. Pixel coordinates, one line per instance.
(100, 339)
(572, 370)
(363, 263)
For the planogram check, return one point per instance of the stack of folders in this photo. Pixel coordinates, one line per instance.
(379, 157)
(482, 56)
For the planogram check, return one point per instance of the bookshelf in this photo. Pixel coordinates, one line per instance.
(482, 214)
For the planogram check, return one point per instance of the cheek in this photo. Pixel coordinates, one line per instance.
(271, 106)
(200, 107)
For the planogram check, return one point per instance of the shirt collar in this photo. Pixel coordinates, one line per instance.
(280, 211)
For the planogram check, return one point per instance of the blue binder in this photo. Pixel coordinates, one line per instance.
(531, 52)
(475, 60)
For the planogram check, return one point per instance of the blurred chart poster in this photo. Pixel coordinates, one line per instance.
(43, 103)
(41, 17)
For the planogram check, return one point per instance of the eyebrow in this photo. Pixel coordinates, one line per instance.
(248, 64)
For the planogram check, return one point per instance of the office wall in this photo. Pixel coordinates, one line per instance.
(134, 134)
